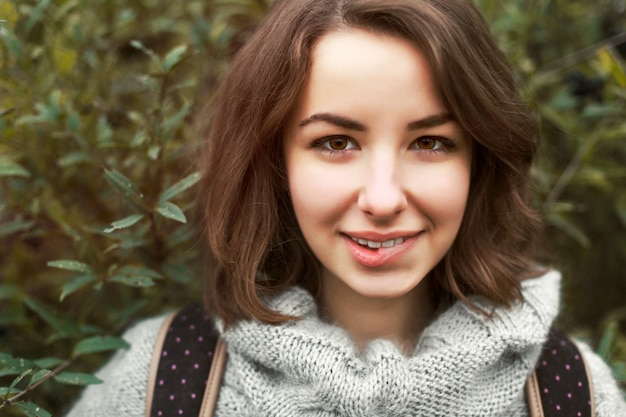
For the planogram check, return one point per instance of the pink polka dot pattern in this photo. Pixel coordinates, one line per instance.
(184, 365)
(562, 378)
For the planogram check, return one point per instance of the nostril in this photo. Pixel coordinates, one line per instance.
(383, 206)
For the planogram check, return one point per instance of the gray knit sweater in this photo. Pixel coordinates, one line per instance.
(463, 365)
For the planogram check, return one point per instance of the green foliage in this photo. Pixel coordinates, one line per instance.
(612, 348)
(97, 183)
(570, 57)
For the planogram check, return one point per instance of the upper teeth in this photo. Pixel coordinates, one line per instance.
(375, 245)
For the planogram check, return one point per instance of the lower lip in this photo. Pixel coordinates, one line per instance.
(380, 257)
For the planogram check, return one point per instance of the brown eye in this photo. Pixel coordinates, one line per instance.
(335, 144)
(338, 143)
(427, 143)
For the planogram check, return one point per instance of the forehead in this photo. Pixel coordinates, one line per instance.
(364, 52)
(362, 71)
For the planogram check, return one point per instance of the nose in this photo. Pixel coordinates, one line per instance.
(382, 195)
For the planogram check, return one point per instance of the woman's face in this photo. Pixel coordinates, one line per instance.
(378, 170)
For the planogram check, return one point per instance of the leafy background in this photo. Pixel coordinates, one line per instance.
(97, 147)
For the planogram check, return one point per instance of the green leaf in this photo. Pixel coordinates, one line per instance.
(569, 228)
(153, 152)
(76, 284)
(619, 371)
(61, 324)
(132, 281)
(124, 223)
(182, 185)
(99, 344)
(137, 44)
(174, 57)
(39, 375)
(176, 120)
(139, 139)
(134, 242)
(36, 13)
(126, 17)
(71, 265)
(133, 270)
(563, 100)
(12, 44)
(10, 370)
(75, 158)
(77, 378)
(104, 132)
(171, 211)
(72, 122)
(15, 227)
(10, 168)
(31, 409)
(602, 110)
(5, 358)
(6, 391)
(46, 113)
(607, 342)
(48, 363)
(15, 366)
(91, 328)
(20, 378)
(123, 184)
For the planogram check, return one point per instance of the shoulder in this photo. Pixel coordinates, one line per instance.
(125, 376)
(608, 399)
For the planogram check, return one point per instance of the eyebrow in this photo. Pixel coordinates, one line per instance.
(346, 123)
(431, 121)
(334, 120)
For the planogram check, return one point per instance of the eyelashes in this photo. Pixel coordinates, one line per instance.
(433, 143)
(336, 145)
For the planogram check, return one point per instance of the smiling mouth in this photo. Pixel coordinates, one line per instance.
(375, 245)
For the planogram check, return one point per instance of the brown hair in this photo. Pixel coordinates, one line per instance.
(254, 243)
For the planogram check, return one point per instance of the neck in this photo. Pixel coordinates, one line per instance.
(400, 320)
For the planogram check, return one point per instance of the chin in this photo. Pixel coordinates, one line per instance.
(386, 288)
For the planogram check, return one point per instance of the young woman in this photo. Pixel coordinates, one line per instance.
(368, 220)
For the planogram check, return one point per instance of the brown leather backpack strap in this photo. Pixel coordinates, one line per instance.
(214, 380)
(154, 363)
(533, 397)
(561, 384)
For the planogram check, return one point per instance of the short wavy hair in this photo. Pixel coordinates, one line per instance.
(253, 240)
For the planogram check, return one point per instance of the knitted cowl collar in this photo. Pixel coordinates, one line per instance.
(464, 364)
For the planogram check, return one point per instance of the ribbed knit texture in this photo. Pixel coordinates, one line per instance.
(463, 365)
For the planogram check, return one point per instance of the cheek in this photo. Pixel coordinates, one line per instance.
(443, 195)
(317, 193)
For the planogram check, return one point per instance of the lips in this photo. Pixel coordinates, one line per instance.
(373, 251)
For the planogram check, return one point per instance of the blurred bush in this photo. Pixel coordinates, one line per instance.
(570, 58)
(97, 175)
(97, 101)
